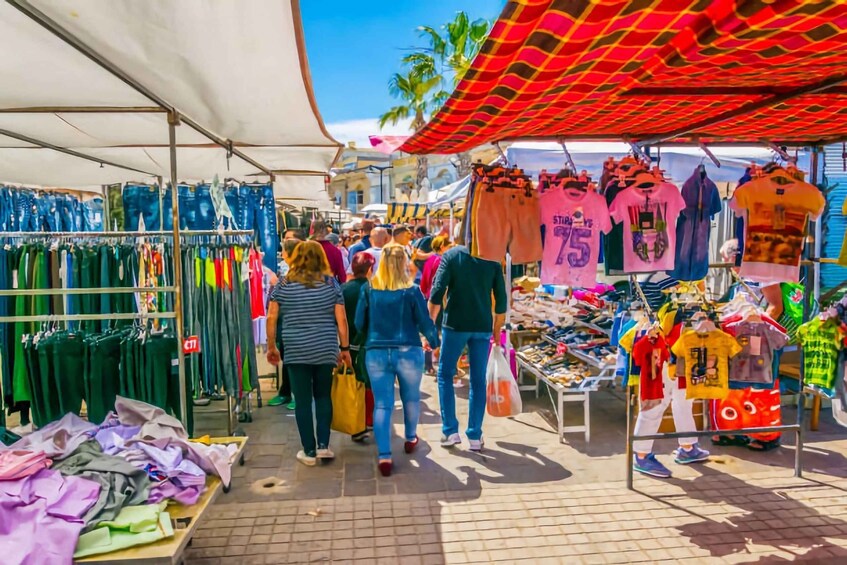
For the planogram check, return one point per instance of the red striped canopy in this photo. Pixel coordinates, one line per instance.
(651, 71)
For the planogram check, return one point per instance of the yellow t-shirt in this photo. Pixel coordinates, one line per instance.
(706, 361)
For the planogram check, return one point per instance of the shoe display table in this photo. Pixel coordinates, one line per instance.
(185, 520)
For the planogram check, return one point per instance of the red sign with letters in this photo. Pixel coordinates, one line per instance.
(191, 345)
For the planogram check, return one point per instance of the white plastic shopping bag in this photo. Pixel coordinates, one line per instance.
(503, 396)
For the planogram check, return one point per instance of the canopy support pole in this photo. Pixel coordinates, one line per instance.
(709, 154)
(71, 152)
(781, 152)
(173, 121)
(568, 159)
(637, 149)
(53, 27)
(501, 152)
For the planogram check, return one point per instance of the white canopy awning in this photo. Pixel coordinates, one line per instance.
(98, 77)
(303, 191)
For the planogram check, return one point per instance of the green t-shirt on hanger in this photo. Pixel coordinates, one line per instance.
(821, 342)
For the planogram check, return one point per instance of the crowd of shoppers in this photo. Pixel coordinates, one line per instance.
(374, 323)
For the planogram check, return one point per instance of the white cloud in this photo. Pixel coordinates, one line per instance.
(359, 130)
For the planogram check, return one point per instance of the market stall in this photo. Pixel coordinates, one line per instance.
(687, 74)
(105, 108)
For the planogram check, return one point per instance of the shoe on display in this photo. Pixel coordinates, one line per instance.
(649, 465)
(306, 460)
(325, 453)
(476, 444)
(451, 440)
(693, 455)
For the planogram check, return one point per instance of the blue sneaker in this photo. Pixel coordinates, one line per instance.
(651, 466)
(693, 455)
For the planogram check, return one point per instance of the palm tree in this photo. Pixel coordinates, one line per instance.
(414, 90)
(423, 87)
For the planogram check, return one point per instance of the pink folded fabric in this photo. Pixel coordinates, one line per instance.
(18, 463)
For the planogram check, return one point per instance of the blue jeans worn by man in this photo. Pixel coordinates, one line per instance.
(452, 345)
(405, 364)
(468, 284)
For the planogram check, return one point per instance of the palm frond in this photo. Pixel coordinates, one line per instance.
(394, 115)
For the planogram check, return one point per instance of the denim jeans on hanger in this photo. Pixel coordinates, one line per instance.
(8, 212)
(27, 210)
(187, 207)
(235, 206)
(131, 197)
(264, 229)
(65, 204)
(205, 208)
(49, 218)
(92, 214)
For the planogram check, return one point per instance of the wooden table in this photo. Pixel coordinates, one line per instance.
(185, 520)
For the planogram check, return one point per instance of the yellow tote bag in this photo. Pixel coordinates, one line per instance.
(348, 402)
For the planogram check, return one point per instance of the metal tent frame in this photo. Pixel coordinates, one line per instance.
(174, 119)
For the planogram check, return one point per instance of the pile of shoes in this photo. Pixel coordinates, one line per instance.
(555, 367)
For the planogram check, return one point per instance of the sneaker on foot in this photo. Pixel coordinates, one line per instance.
(360, 437)
(649, 465)
(458, 384)
(306, 460)
(476, 444)
(291, 405)
(693, 455)
(279, 400)
(325, 453)
(451, 440)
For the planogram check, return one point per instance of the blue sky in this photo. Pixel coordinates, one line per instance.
(355, 45)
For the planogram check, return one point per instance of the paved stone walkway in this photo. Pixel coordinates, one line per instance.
(527, 497)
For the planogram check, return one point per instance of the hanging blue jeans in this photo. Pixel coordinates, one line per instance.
(452, 345)
(143, 201)
(27, 211)
(187, 207)
(8, 211)
(264, 228)
(405, 364)
(205, 208)
(93, 214)
(48, 212)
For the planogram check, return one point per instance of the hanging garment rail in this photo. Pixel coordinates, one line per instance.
(103, 290)
(86, 317)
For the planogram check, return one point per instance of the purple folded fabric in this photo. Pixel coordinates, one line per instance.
(168, 490)
(57, 439)
(41, 517)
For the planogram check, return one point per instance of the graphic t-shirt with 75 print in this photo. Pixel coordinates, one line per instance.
(572, 221)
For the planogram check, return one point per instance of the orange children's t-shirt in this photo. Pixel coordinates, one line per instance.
(706, 361)
(776, 215)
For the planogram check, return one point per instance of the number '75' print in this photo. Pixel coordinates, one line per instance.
(575, 239)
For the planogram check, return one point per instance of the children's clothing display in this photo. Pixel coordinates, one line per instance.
(759, 341)
(706, 361)
(776, 208)
(573, 221)
(650, 353)
(648, 211)
(694, 227)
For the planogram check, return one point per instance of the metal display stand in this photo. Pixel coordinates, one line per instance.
(797, 427)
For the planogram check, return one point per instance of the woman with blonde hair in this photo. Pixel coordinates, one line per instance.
(393, 313)
(315, 333)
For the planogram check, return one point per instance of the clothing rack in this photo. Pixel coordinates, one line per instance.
(174, 289)
(797, 427)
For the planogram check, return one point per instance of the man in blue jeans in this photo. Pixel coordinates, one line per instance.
(468, 283)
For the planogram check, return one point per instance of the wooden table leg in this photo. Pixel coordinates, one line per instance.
(816, 413)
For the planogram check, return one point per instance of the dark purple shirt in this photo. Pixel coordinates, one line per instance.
(336, 261)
